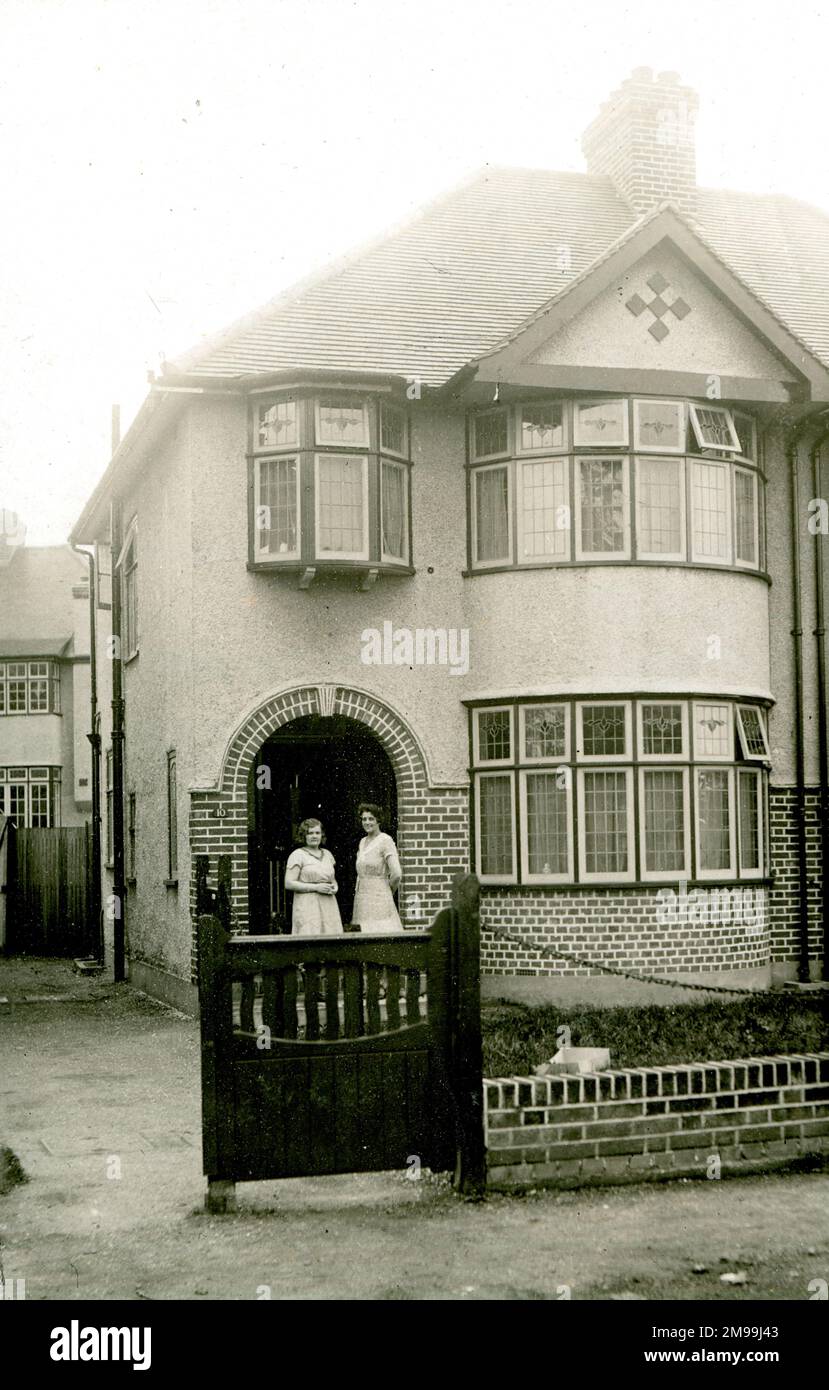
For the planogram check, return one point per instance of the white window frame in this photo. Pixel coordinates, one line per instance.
(764, 757)
(657, 758)
(752, 474)
(480, 415)
(620, 441)
(555, 449)
(693, 409)
(595, 759)
(668, 556)
(509, 557)
(760, 871)
(597, 556)
(130, 642)
(699, 754)
(323, 555)
(290, 445)
(665, 875)
(264, 460)
(488, 763)
(548, 761)
(725, 465)
(526, 876)
(714, 874)
(752, 423)
(629, 875)
(528, 459)
(383, 448)
(673, 449)
(479, 777)
(326, 399)
(385, 555)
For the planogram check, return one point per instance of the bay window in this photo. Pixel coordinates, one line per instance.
(29, 687)
(30, 796)
(635, 789)
(329, 483)
(557, 483)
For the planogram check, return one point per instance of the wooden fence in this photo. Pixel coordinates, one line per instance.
(48, 897)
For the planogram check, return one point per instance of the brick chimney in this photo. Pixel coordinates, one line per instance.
(643, 140)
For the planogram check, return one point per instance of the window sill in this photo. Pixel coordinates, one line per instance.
(171, 883)
(616, 564)
(652, 885)
(367, 571)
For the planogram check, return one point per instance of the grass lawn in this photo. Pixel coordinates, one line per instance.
(518, 1037)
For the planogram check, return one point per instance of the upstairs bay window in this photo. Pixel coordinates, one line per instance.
(650, 790)
(329, 483)
(558, 483)
(29, 687)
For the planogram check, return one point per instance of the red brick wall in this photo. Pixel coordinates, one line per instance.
(702, 1120)
(643, 140)
(784, 895)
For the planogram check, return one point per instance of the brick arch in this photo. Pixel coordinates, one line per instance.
(400, 744)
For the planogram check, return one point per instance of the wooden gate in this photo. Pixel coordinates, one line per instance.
(342, 1054)
(48, 891)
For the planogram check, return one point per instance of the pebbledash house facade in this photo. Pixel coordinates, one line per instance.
(512, 524)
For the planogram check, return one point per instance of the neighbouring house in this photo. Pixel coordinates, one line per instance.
(45, 758)
(506, 523)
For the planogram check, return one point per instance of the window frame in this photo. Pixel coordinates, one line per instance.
(673, 450)
(382, 447)
(487, 763)
(664, 556)
(764, 757)
(481, 776)
(556, 759)
(702, 756)
(595, 759)
(715, 874)
(527, 460)
(664, 875)
(475, 457)
(752, 474)
(693, 411)
(656, 759)
(128, 579)
(620, 441)
(402, 466)
(323, 399)
(500, 561)
(556, 450)
(261, 556)
(629, 875)
(523, 820)
(726, 466)
(597, 557)
(324, 556)
(172, 816)
(759, 779)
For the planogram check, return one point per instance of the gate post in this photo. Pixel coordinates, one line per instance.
(216, 1023)
(467, 1048)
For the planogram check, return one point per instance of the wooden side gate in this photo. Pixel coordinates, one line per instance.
(48, 890)
(342, 1054)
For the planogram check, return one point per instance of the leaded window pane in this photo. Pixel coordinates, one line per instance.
(491, 514)
(605, 823)
(277, 517)
(664, 821)
(342, 422)
(393, 486)
(711, 731)
(709, 495)
(752, 732)
(495, 807)
(603, 422)
(542, 427)
(749, 809)
(662, 731)
(547, 838)
(602, 506)
(713, 428)
(545, 731)
(341, 504)
(392, 429)
(713, 815)
(544, 505)
(277, 425)
(745, 498)
(659, 500)
(490, 433)
(604, 731)
(494, 740)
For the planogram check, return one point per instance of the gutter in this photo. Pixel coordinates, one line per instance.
(823, 731)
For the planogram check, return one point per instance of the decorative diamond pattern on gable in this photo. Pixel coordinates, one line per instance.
(658, 306)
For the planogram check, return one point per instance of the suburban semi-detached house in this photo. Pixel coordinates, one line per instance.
(564, 414)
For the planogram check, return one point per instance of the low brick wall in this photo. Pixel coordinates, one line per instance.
(695, 1120)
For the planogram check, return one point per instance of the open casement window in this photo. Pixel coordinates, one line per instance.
(544, 522)
(715, 822)
(603, 732)
(103, 574)
(341, 494)
(602, 509)
(495, 827)
(659, 425)
(660, 509)
(713, 731)
(491, 515)
(751, 728)
(606, 825)
(751, 821)
(713, 428)
(128, 570)
(546, 817)
(710, 512)
(664, 823)
(277, 508)
(663, 730)
(746, 521)
(492, 735)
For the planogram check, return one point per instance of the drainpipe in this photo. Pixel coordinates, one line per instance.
(797, 636)
(823, 732)
(94, 737)
(118, 885)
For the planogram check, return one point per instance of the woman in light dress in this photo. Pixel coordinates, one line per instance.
(309, 875)
(378, 875)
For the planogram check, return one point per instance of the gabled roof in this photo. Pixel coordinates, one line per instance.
(36, 597)
(463, 276)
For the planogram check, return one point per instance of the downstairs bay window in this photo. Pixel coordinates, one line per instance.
(30, 796)
(648, 790)
(329, 483)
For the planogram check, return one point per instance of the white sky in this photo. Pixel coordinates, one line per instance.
(166, 167)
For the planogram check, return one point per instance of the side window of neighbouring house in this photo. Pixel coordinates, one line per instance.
(131, 835)
(172, 818)
(128, 566)
(109, 802)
